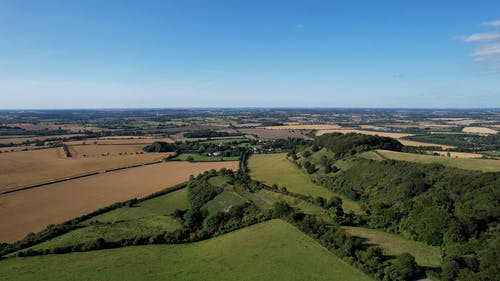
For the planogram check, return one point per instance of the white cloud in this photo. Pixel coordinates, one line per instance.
(491, 50)
(482, 37)
(491, 23)
(488, 50)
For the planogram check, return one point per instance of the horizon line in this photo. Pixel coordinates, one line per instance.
(248, 107)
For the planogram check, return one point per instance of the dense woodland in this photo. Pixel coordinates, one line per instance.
(348, 144)
(462, 142)
(209, 134)
(455, 209)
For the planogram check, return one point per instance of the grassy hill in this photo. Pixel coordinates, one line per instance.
(277, 169)
(273, 250)
(144, 218)
(393, 244)
(448, 202)
(484, 165)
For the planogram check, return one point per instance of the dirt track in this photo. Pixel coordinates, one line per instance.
(32, 210)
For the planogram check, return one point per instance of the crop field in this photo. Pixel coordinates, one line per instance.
(120, 141)
(204, 158)
(304, 127)
(458, 154)
(276, 134)
(105, 150)
(32, 210)
(52, 126)
(24, 168)
(227, 140)
(424, 144)
(148, 217)
(485, 165)
(276, 169)
(479, 130)
(272, 250)
(21, 139)
(392, 244)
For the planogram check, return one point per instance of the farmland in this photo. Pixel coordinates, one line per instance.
(31, 210)
(485, 165)
(21, 139)
(221, 225)
(119, 140)
(145, 218)
(24, 168)
(479, 130)
(276, 169)
(203, 158)
(276, 134)
(424, 144)
(457, 154)
(304, 127)
(273, 250)
(83, 151)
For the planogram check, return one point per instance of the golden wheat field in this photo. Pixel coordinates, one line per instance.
(54, 126)
(92, 150)
(304, 127)
(458, 154)
(119, 141)
(21, 139)
(424, 144)
(24, 168)
(479, 130)
(31, 210)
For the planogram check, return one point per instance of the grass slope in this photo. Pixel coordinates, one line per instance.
(148, 217)
(224, 201)
(273, 250)
(277, 169)
(485, 165)
(304, 206)
(392, 244)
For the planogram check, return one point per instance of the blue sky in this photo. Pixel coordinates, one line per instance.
(95, 54)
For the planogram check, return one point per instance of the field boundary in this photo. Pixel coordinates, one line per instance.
(12, 190)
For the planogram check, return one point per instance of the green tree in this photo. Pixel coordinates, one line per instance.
(449, 270)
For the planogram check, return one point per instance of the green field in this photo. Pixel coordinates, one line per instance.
(273, 250)
(224, 201)
(204, 158)
(392, 244)
(373, 155)
(277, 169)
(485, 165)
(304, 206)
(146, 218)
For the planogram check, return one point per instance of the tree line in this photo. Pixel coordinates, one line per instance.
(455, 209)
